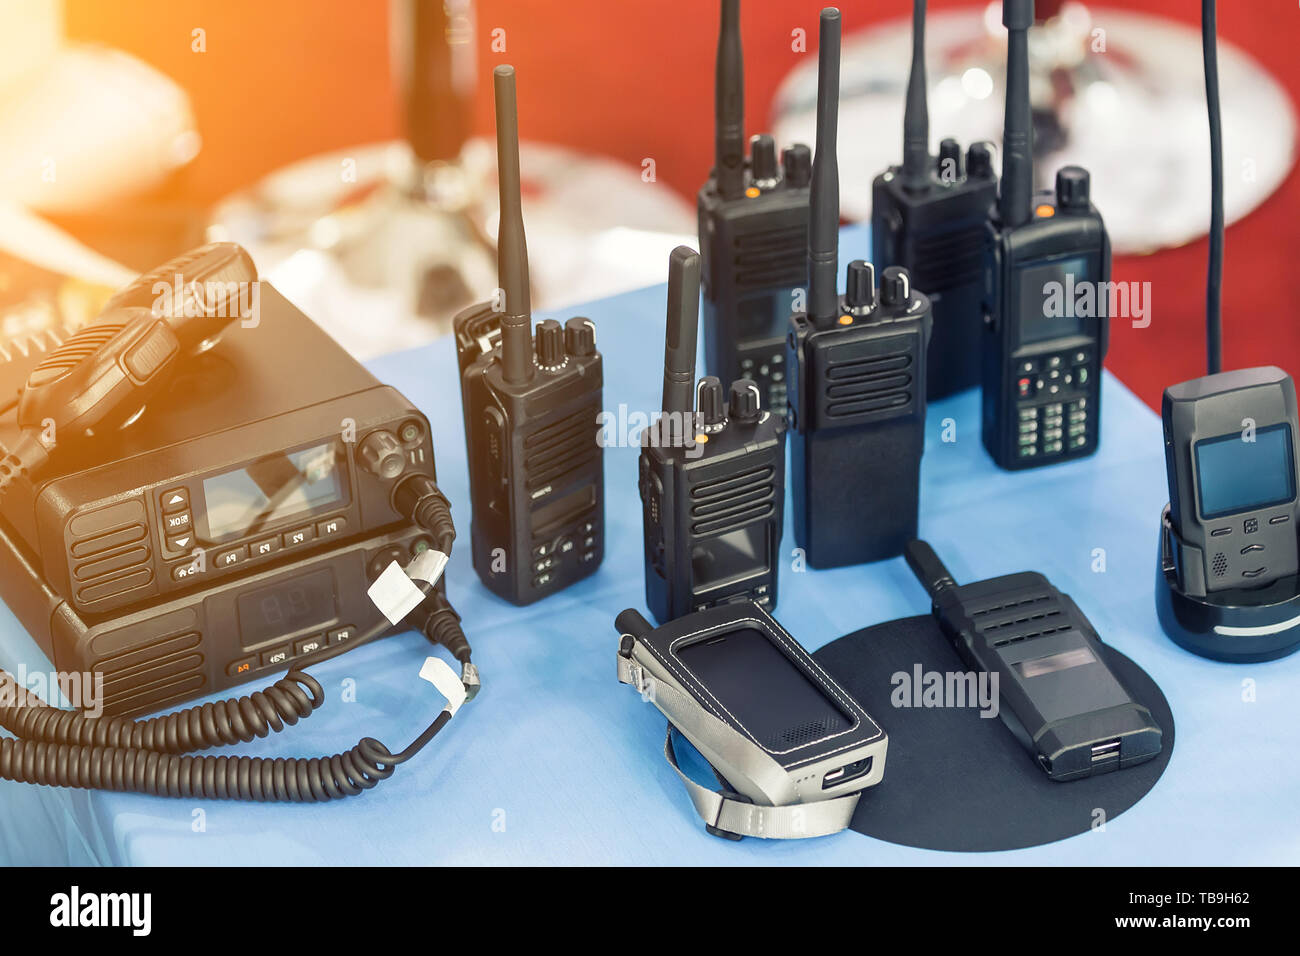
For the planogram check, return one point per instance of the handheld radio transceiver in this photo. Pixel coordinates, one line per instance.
(857, 373)
(930, 216)
(1058, 696)
(753, 233)
(537, 480)
(1230, 450)
(712, 481)
(1047, 323)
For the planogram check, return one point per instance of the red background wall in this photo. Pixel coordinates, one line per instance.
(283, 79)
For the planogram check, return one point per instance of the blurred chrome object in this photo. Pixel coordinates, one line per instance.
(382, 244)
(1119, 93)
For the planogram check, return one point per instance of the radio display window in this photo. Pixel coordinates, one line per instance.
(274, 489)
(1235, 475)
(1051, 306)
(299, 604)
(728, 558)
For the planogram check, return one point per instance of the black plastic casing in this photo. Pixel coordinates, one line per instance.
(85, 563)
(536, 468)
(754, 253)
(1058, 697)
(1042, 401)
(697, 497)
(1246, 549)
(857, 423)
(939, 236)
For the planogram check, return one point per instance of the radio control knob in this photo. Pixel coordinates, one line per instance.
(979, 161)
(1072, 188)
(550, 344)
(579, 336)
(895, 287)
(797, 161)
(382, 455)
(950, 169)
(762, 159)
(744, 403)
(861, 289)
(709, 399)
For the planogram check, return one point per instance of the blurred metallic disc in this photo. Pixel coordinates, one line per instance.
(1120, 93)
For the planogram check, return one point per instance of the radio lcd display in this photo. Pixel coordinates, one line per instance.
(286, 608)
(272, 489)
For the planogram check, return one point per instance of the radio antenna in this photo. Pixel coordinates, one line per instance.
(1015, 201)
(512, 248)
(729, 105)
(683, 326)
(916, 115)
(1214, 280)
(824, 217)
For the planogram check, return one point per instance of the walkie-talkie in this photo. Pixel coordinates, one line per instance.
(1048, 268)
(537, 480)
(1058, 695)
(857, 377)
(712, 480)
(753, 233)
(930, 216)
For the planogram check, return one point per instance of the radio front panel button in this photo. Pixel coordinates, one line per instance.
(241, 667)
(275, 657)
(331, 527)
(299, 536)
(228, 559)
(174, 500)
(177, 523)
(183, 572)
(340, 635)
(309, 645)
(180, 543)
(264, 547)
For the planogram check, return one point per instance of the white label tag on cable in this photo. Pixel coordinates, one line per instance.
(440, 675)
(427, 566)
(395, 594)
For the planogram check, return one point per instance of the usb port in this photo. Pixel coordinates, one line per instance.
(850, 771)
(1105, 751)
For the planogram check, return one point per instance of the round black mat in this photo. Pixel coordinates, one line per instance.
(958, 781)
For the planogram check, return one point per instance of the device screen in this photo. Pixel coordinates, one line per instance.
(729, 557)
(1056, 299)
(766, 316)
(272, 489)
(763, 689)
(298, 604)
(1235, 475)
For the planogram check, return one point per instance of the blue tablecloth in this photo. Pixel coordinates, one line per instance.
(556, 762)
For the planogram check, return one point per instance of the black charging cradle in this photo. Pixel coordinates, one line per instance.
(1239, 626)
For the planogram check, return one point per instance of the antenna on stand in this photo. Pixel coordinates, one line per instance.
(824, 222)
(679, 342)
(1214, 280)
(1015, 201)
(512, 248)
(729, 105)
(916, 115)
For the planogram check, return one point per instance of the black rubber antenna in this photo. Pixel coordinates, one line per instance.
(1015, 201)
(512, 248)
(683, 327)
(1214, 280)
(916, 114)
(729, 105)
(824, 217)
(927, 567)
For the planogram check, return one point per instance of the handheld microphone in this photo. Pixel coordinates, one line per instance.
(753, 225)
(1048, 269)
(930, 216)
(531, 405)
(712, 480)
(857, 363)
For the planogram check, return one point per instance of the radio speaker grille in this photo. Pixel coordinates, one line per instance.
(554, 451)
(869, 385)
(724, 504)
(771, 259)
(149, 676)
(949, 259)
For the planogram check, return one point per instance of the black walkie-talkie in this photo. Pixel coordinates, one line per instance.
(753, 236)
(1048, 270)
(532, 404)
(930, 216)
(712, 481)
(857, 377)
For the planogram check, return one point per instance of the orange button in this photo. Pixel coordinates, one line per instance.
(1045, 211)
(846, 320)
(753, 192)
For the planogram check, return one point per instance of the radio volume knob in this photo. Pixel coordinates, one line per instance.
(979, 161)
(895, 287)
(860, 291)
(709, 399)
(950, 168)
(382, 455)
(762, 162)
(797, 161)
(579, 336)
(1072, 187)
(550, 344)
(744, 404)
